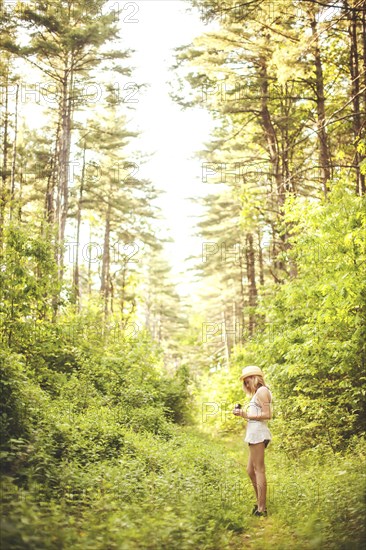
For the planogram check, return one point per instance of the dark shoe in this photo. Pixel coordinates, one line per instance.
(254, 509)
(260, 514)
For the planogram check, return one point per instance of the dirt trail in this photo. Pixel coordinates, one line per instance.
(268, 534)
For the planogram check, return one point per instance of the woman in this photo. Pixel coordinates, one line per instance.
(258, 435)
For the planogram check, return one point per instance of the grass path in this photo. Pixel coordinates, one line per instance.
(273, 534)
(300, 518)
(270, 533)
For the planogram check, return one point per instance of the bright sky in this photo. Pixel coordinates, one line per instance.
(172, 134)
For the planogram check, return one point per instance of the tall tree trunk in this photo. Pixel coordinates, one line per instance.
(356, 97)
(61, 172)
(324, 151)
(270, 133)
(49, 203)
(76, 282)
(363, 34)
(105, 276)
(111, 293)
(123, 291)
(20, 210)
(277, 265)
(13, 163)
(252, 285)
(62, 203)
(362, 185)
(242, 296)
(275, 157)
(4, 183)
(260, 259)
(288, 182)
(90, 267)
(226, 338)
(234, 324)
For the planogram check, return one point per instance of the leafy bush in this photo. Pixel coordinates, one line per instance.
(313, 344)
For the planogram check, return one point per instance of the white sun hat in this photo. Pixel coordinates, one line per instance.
(251, 371)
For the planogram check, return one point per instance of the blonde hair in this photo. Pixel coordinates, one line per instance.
(256, 382)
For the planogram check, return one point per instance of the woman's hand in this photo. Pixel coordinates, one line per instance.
(240, 412)
(262, 410)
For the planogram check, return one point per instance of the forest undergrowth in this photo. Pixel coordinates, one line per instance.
(114, 471)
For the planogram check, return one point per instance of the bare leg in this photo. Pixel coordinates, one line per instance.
(257, 459)
(251, 474)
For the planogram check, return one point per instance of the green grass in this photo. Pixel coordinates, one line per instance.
(315, 500)
(160, 493)
(93, 467)
(189, 492)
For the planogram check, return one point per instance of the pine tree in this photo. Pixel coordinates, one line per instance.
(66, 40)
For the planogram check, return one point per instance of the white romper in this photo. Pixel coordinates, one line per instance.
(257, 430)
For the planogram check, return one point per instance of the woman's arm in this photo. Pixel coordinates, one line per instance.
(264, 400)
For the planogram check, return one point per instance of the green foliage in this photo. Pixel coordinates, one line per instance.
(104, 454)
(123, 481)
(93, 456)
(98, 441)
(326, 491)
(27, 283)
(312, 344)
(23, 409)
(97, 449)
